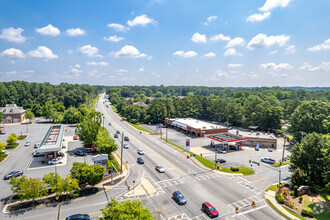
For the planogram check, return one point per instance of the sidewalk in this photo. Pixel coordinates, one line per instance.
(270, 195)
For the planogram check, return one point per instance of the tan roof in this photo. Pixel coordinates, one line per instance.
(12, 109)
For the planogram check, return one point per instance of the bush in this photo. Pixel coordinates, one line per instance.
(290, 204)
(314, 190)
(300, 199)
(307, 213)
(295, 189)
(291, 193)
(279, 198)
(234, 168)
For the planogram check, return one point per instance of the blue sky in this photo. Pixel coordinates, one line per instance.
(169, 42)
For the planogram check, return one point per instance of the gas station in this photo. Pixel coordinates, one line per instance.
(226, 138)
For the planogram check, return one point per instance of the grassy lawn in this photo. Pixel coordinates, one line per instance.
(278, 211)
(21, 137)
(12, 146)
(325, 196)
(307, 204)
(274, 187)
(3, 156)
(283, 164)
(114, 108)
(211, 164)
(115, 163)
(293, 213)
(140, 128)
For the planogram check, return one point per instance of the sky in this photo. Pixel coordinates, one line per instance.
(227, 43)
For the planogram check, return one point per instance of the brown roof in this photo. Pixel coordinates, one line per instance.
(12, 109)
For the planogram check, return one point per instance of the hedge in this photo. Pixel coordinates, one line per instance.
(307, 213)
(279, 198)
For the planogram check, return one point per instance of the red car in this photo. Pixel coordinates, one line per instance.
(75, 137)
(210, 210)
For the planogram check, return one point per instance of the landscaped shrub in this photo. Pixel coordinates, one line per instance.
(279, 198)
(295, 189)
(307, 213)
(300, 199)
(234, 168)
(288, 203)
(291, 193)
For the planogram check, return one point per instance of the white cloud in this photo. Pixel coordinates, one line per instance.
(12, 53)
(220, 37)
(324, 46)
(77, 65)
(273, 66)
(13, 35)
(291, 49)
(258, 17)
(199, 38)
(234, 65)
(142, 20)
(49, 30)
(221, 73)
(272, 52)
(118, 27)
(188, 54)
(261, 40)
(122, 71)
(42, 52)
(231, 52)
(325, 66)
(141, 69)
(97, 63)
(237, 41)
(11, 73)
(210, 20)
(129, 51)
(114, 38)
(210, 54)
(29, 71)
(89, 51)
(271, 4)
(75, 32)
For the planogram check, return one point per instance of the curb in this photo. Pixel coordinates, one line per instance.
(5, 159)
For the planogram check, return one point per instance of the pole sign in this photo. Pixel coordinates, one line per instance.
(187, 144)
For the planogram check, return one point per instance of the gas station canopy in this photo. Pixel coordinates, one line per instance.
(227, 137)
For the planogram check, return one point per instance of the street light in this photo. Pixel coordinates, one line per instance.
(121, 156)
(283, 148)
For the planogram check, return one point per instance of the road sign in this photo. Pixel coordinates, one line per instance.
(254, 162)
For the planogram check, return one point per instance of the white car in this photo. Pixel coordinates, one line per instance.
(222, 151)
(160, 168)
(28, 143)
(268, 160)
(55, 161)
(126, 146)
(141, 152)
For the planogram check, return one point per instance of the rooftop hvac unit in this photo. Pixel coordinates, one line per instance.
(204, 127)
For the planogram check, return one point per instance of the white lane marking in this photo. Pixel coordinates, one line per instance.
(252, 210)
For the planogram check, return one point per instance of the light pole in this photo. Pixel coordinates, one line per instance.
(283, 148)
(121, 155)
(166, 133)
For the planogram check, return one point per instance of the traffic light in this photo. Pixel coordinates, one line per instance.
(126, 182)
(249, 161)
(236, 210)
(253, 204)
(128, 188)
(187, 156)
(159, 212)
(258, 163)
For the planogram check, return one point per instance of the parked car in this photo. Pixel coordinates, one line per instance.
(179, 198)
(117, 132)
(233, 147)
(55, 161)
(2, 132)
(219, 161)
(270, 149)
(79, 152)
(115, 135)
(4, 152)
(38, 154)
(36, 145)
(126, 146)
(75, 137)
(222, 151)
(229, 128)
(160, 168)
(28, 143)
(257, 148)
(267, 160)
(126, 138)
(60, 154)
(141, 152)
(12, 174)
(78, 217)
(140, 160)
(210, 210)
(91, 149)
(110, 124)
(63, 146)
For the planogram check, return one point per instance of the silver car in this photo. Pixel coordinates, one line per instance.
(160, 168)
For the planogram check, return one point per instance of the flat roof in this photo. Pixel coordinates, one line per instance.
(194, 123)
(52, 140)
(227, 137)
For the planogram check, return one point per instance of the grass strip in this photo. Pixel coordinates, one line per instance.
(140, 128)
(211, 164)
(274, 187)
(293, 213)
(278, 164)
(115, 163)
(21, 137)
(12, 146)
(3, 156)
(271, 204)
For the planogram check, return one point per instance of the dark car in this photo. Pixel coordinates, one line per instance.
(179, 198)
(116, 135)
(126, 138)
(233, 147)
(110, 124)
(38, 154)
(140, 160)
(78, 217)
(117, 132)
(79, 152)
(210, 210)
(220, 160)
(12, 174)
(36, 145)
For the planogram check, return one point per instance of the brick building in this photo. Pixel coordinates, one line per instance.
(12, 113)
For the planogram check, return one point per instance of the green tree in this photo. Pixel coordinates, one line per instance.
(32, 188)
(70, 185)
(12, 138)
(88, 129)
(15, 182)
(79, 172)
(1, 117)
(2, 146)
(128, 209)
(72, 116)
(48, 110)
(104, 143)
(29, 114)
(299, 177)
(95, 174)
(309, 156)
(59, 107)
(53, 181)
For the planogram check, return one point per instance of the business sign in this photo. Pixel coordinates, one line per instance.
(187, 144)
(102, 160)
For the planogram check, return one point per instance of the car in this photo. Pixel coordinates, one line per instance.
(110, 124)
(233, 147)
(126, 146)
(160, 168)
(13, 173)
(179, 198)
(60, 154)
(2, 132)
(140, 160)
(91, 149)
(78, 217)
(117, 132)
(257, 148)
(229, 128)
(79, 152)
(4, 152)
(270, 149)
(38, 154)
(141, 152)
(36, 145)
(267, 160)
(75, 137)
(55, 161)
(126, 138)
(28, 143)
(210, 210)
(63, 146)
(220, 161)
(222, 151)
(115, 135)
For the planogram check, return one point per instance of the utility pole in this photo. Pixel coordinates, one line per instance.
(161, 132)
(58, 212)
(121, 155)
(279, 180)
(166, 133)
(283, 148)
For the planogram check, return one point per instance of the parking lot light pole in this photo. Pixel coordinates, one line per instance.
(121, 154)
